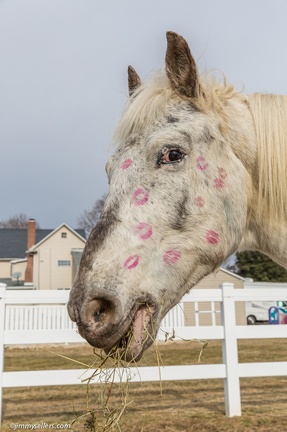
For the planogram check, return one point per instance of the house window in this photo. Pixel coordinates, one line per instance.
(64, 262)
(64, 235)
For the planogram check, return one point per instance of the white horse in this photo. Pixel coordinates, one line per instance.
(199, 172)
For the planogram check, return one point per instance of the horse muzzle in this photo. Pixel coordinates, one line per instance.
(106, 324)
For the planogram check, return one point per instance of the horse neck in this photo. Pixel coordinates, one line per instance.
(267, 227)
(256, 129)
(266, 237)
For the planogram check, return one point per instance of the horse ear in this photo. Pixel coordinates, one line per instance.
(181, 68)
(133, 80)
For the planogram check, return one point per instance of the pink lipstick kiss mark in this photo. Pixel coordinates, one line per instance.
(126, 164)
(201, 163)
(218, 183)
(144, 230)
(140, 197)
(131, 262)
(222, 173)
(199, 201)
(171, 257)
(212, 237)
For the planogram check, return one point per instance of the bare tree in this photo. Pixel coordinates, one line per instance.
(89, 218)
(20, 220)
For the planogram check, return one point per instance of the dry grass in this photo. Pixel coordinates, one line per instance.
(183, 406)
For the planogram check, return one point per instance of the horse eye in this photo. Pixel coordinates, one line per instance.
(174, 155)
(170, 156)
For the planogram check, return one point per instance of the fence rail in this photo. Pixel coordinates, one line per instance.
(45, 318)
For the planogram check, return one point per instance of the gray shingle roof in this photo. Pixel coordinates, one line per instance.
(13, 241)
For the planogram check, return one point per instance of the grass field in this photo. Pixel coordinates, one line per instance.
(170, 407)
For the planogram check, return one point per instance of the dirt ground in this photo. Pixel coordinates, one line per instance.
(163, 407)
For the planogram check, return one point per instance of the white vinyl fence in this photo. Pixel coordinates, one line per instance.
(44, 320)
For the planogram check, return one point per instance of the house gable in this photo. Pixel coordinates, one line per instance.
(54, 264)
(234, 275)
(60, 232)
(13, 247)
(213, 280)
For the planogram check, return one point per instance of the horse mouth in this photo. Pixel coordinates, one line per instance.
(123, 336)
(140, 335)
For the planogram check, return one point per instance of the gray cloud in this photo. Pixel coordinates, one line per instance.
(63, 83)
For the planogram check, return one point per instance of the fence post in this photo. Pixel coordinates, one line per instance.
(2, 324)
(230, 352)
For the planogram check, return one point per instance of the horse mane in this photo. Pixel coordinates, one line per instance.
(270, 116)
(145, 106)
(149, 102)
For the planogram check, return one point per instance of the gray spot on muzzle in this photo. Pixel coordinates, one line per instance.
(82, 291)
(104, 227)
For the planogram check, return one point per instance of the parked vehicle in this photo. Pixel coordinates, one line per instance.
(259, 311)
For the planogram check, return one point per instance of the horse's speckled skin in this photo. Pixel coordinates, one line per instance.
(186, 207)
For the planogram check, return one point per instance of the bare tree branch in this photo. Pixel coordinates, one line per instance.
(20, 220)
(89, 218)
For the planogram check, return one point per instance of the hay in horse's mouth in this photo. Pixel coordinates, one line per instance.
(139, 336)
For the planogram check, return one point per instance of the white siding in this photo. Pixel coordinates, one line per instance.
(47, 274)
(206, 313)
(5, 269)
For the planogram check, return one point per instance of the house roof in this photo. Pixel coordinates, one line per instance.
(80, 233)
(232, 274)
(13, 241)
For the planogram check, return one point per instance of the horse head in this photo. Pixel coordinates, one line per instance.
(177, 204)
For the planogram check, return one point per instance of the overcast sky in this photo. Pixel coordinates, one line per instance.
(63, 83)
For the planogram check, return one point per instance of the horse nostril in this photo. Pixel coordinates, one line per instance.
(100, 316)
(100, 311)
